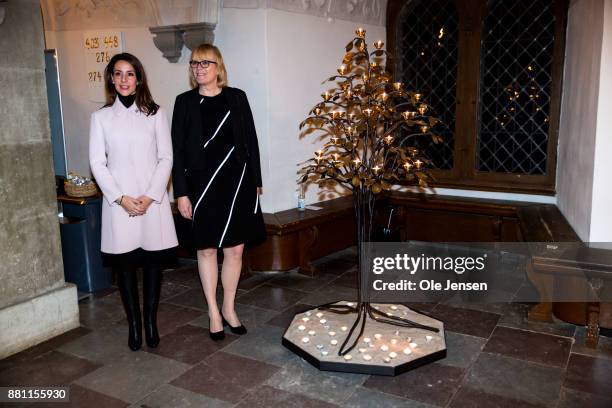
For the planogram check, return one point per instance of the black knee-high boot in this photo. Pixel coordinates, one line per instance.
(127, 281)
(151, 288)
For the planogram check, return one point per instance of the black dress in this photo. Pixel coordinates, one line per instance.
(224, 199)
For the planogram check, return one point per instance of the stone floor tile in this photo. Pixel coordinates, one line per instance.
(50, 369)
(79, 397)
(263, 344)
(432, 384)
(190, 344)
(367, 398)
(515, 316)
(225, 376)
(284, 318)
(101, 312)
(297, 281)
(330, 293)
(588, 374)
(102, 346)
(271, 297)
(515, 379)
(576, 399)
(168, 396)
(461, 350)
(257, 279)
(169, 317)
(535, 347)
(266, 397)
(300, 377)
(466, 321)
(603, 349)
(193, 299)
(469, 398)
(132, 377)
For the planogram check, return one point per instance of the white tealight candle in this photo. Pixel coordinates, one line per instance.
(311, 332)
(428, 338)
(394, 307)
(407, 350)
(348, 357)
(392, 354)
(367, 357)
(319, 346)
(332, 333)
(301, 327)
(305, 339)
(362, 350)
(386, 359)
(371, 345)
(367, 339)
(384, 347)
(393, 341)
(319, 315)
(377, 336)
(305, 319)
(350, 304)
(324, 352)
(344, 328)
(333, 342)
(326, 326)
(322, 321)
(413, 345)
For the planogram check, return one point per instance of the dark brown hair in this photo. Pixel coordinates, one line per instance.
(144, 100)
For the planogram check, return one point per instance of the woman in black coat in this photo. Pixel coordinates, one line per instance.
(217, 179)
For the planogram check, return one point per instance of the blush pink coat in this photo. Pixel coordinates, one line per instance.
(130, 154)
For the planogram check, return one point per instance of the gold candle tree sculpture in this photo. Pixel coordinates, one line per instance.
(368, 121)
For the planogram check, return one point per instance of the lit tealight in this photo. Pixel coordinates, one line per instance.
(367, 339)
(319, 315)
(348, 357)
(378, 336)
(428, 338)
(387, 360)
(378, 44)
(322, 321)
(407, 351)
(392, 354)
(393, 341)
(350, 304)
(384, 347)
(305, 339)
(362, 350)
(393, 307)
(324, 352)
(305, 319)
(414, 345)
(312, 332)
(367, 357)
(301, 327)
(344, 328)
(333, 342)
(332, 333)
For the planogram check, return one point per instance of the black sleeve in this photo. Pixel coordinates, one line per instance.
(252, 143)
(179, 136)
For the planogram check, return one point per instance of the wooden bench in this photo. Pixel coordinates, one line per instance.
(296, 238)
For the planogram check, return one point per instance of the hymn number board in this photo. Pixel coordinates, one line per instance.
(99, 48)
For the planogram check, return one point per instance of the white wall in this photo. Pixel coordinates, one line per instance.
(601, 204)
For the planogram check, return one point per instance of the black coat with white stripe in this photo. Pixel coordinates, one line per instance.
(187, 136)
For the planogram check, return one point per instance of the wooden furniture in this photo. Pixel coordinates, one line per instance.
(296, 238)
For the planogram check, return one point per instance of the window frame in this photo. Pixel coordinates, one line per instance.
(464, 175)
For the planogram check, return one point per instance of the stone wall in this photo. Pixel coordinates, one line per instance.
(31, 271)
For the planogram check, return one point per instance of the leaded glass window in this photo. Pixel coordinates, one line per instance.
(427, 62)
(515, 86)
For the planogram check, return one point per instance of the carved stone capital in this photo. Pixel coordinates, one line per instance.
(197, 33)
(169, 40)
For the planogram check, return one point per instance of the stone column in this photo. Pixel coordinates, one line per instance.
(35, 302)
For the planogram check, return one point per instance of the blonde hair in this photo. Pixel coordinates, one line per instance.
(200, 52)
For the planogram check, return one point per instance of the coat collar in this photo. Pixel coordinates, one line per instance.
(119, 109)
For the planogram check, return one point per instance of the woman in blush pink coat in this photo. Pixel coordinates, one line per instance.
(130, 153)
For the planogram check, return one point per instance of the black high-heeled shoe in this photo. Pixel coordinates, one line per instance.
(216, 336)
(240, 330)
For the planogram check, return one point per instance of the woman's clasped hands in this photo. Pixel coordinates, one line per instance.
(136, 206)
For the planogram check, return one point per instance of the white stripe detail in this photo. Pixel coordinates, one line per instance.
(229, 217)
(256, 201)
(201, 100)
(209, 183)
(218, 127)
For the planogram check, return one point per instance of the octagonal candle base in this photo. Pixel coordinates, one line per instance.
(383, 349)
